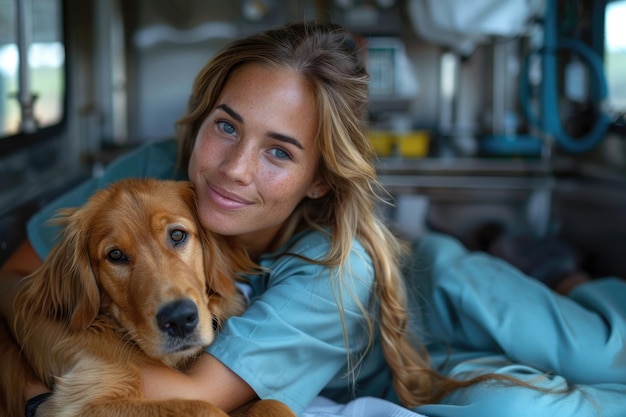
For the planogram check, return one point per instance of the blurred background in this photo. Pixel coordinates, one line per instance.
(481, 111)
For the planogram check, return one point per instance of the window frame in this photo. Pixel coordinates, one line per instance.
(22, 140)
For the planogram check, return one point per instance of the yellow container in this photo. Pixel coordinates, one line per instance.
(382, 141)
(413, 144)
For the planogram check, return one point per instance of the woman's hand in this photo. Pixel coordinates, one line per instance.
(207, 379)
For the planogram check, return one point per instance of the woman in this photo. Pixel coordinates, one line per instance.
(274, 142)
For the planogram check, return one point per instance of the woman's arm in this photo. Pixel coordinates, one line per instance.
(22, 262)
(208, 380)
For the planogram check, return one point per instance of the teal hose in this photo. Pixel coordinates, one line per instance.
(549, 123)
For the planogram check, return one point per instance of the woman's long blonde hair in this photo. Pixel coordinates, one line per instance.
(327, 57)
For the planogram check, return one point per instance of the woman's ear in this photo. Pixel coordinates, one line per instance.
(318, 189)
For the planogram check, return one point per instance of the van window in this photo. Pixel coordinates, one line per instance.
(32, 97)
(615, 54)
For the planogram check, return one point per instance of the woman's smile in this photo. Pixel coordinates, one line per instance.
(226, 200)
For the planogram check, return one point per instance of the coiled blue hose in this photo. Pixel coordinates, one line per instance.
(549, 123)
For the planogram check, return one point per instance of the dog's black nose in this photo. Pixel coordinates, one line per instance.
(178, 318)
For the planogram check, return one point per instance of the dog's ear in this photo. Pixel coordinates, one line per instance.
(64, 288)
(224, 262)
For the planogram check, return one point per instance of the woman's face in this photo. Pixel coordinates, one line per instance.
(254, 158)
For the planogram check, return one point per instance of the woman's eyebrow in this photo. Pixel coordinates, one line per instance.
(232, 113)
(278, 136)
(285, 138)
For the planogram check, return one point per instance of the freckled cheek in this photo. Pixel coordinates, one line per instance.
(283, 193)
(205, 153)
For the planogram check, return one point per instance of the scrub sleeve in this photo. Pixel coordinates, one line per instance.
(289, 345)
(483, 315)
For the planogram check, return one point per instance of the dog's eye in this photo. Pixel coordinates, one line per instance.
(117, 255)
(178, 236)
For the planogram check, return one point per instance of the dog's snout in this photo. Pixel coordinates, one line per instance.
(178, 318)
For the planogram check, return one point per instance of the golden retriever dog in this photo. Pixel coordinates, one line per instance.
(134, 280)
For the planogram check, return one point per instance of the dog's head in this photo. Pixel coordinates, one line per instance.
(136, 252)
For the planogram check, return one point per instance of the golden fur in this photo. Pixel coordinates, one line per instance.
(128, 283)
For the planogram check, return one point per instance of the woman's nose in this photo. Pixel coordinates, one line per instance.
(239, 163)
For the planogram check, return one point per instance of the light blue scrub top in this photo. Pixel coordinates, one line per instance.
(289, 345)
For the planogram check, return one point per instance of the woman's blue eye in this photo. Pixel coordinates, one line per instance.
(280, 153)
(226, 127)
